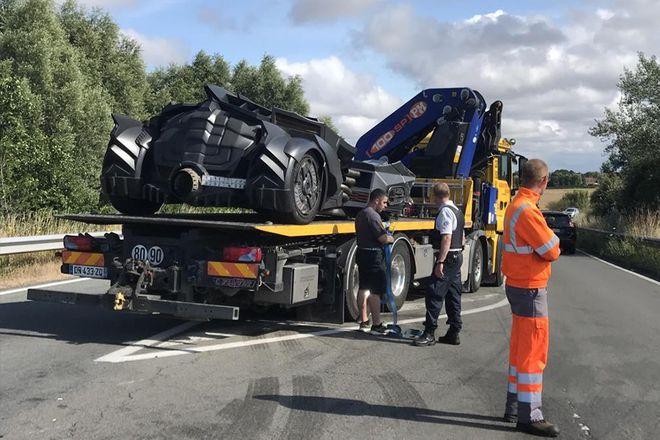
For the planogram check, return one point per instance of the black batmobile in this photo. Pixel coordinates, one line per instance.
(226, 151)
(229, 151)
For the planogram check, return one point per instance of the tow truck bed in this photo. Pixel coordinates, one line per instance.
(246, 222)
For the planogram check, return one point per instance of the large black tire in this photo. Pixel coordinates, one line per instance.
(476, 269)
(305, 192)
(134, 206)
(401, 270)
(401, 278)
(497, 278)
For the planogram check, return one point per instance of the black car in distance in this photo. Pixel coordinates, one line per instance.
(562, 225)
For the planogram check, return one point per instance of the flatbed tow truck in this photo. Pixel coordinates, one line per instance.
(208, 266)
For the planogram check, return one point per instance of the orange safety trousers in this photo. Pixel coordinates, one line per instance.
(528, 352)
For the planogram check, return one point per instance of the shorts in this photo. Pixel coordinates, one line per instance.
(371, 266)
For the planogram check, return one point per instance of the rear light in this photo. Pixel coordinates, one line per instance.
(79, 243)
(242, 254)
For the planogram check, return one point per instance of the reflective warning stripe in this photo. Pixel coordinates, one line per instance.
(512, 370)
(547, 246)
(518, 249)
(513, 247)
(512, 388)
(527, 397)
(233, 270)
(530, 378)
(83, 258)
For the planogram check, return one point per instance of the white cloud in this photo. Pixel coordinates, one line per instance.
(159, 51)
(305, 11)
(554, 77)
(354, 101)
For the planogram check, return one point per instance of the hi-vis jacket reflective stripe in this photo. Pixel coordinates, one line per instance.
(529, 244)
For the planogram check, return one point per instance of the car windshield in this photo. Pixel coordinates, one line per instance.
(557, 220)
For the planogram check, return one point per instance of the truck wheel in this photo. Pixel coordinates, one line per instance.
(497, 278)
(476, 266)
(401, 273)
(305, 191)
(352, 284)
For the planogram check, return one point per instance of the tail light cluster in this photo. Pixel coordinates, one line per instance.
(80, 243)
(242, 254)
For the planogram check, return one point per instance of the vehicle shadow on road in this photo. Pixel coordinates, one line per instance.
(352, 407)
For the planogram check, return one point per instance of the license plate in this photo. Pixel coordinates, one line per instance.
(240, 283)
(88, 271)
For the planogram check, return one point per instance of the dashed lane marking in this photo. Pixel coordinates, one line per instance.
(128, 353)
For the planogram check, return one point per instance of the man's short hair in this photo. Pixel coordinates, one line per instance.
(441, 190)
(377, 194)
(533, 172)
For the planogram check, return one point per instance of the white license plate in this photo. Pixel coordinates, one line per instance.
(88, 271)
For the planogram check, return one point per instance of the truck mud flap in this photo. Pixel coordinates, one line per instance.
(179, 309)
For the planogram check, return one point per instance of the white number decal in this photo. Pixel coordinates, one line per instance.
(154, 254)
(139, 252)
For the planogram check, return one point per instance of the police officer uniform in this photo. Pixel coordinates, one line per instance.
(448, 288)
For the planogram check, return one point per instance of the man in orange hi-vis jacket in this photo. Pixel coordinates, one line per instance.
(529, 248)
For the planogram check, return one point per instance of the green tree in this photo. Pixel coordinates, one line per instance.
(264, 84)
(185, 83)
(632, 132)
(63, 73)
(608, 196)
(108, 59)
(565, 179)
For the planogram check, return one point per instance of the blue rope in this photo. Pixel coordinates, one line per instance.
(388, 272)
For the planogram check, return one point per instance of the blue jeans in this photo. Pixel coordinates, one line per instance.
(447, 289)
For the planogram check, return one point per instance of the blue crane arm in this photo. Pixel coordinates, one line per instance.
(395, 135)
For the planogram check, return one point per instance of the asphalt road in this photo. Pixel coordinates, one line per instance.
(72, 372)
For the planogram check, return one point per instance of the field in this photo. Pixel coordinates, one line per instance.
(555, 194)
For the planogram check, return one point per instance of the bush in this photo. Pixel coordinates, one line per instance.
(577, 199)
(629, 252)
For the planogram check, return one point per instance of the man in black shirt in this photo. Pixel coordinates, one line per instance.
(371, 237)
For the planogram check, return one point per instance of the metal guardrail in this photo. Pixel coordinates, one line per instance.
(655, 242)
(37, 243)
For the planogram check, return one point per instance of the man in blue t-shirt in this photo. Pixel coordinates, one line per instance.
(371, 237)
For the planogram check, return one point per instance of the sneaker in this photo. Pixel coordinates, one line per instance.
(426, 339)
(379, 329)
(540, 428)
(364, 327)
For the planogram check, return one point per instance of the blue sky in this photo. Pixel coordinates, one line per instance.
(554, 64)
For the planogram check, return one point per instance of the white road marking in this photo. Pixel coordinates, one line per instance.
(145, 343)
(650, 280)
(126, 354)
(41, 286)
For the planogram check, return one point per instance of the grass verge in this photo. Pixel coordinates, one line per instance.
(630, 253)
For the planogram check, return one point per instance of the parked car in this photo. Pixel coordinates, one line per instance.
(572, 212)
(564, 228)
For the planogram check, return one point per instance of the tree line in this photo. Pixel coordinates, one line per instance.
(64, 70)
(630, 180)
(571, 179)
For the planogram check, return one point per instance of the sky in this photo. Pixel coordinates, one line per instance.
(554, 65)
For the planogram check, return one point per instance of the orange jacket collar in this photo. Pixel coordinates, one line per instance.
(529, 194)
